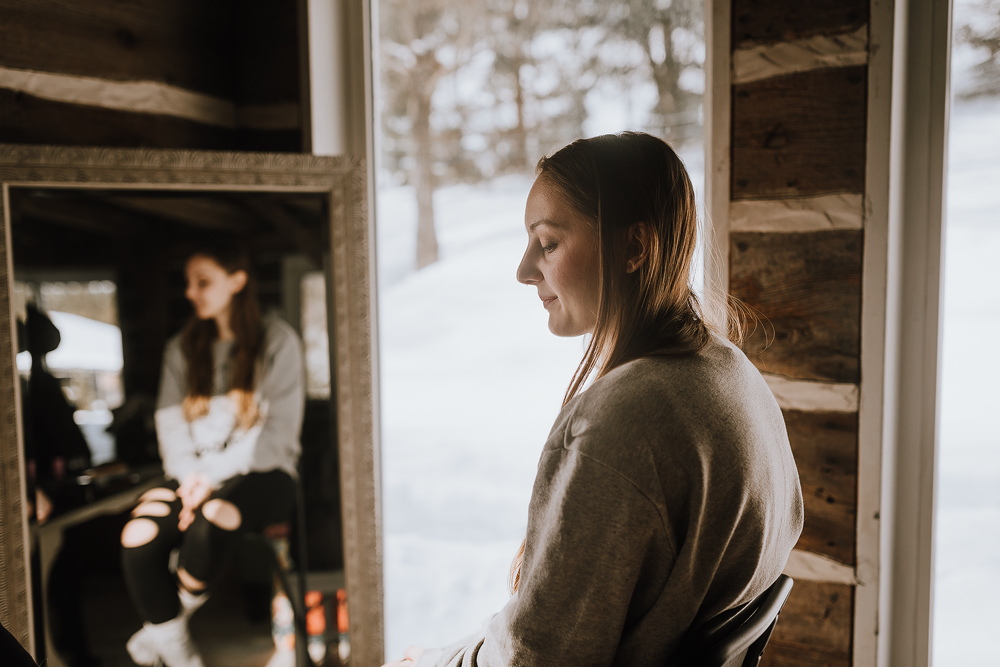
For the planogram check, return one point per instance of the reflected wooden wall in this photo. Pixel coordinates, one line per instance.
(798, 151)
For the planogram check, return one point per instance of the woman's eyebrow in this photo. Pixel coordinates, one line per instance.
(547, 223)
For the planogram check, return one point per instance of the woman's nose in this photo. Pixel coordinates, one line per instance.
(527, 270)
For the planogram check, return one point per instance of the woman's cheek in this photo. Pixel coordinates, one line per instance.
(580, 270)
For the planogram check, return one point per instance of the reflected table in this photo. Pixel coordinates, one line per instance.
(49, 537)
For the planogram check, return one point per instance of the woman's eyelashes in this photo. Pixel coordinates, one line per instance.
(549, 247)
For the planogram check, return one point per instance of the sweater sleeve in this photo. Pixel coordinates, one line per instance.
(589, 533)
(173, 431)
(273, 443)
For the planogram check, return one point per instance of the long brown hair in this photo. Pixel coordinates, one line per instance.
(199, 335)
(617, 182)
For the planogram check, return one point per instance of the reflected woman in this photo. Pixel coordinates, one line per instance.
(666, 493)
(228, 420)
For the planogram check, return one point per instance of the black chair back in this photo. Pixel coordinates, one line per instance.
(736, 638)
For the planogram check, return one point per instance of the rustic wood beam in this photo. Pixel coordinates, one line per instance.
(805, 292)
(815, 627)
(800, 134)
(213, 214)
(768, 21)
(825, 447)
(183, 43)
(83, 215)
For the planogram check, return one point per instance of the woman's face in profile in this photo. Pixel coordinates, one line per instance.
(561, 261)
(209, 288)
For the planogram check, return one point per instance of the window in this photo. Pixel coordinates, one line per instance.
(967, 565)
(88, 359)
(315, 338)
(472, 94)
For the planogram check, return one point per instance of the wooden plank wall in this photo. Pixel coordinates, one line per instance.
(149, 73)
(798, 151)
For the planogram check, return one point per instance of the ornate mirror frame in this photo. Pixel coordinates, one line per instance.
(353, 342)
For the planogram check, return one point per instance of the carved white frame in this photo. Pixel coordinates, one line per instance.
(352, 341)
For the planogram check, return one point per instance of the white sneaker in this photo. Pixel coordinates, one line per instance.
(141, 648)
(190, 602)
(167, 643)
(282, 658)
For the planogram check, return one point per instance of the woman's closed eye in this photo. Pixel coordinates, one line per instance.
(549, 247)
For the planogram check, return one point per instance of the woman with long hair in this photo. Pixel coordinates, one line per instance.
(666, 492)
(228, 419)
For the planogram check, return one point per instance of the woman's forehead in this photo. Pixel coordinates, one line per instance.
(548, 210)
(202, 264)
(545, 206)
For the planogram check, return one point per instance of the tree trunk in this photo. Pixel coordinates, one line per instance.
(425, 74)
(666, 76)
(519, 157)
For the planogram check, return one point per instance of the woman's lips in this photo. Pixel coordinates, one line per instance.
(547, 301)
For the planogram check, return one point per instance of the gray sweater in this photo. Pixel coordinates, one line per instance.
(214, 445)
(666, 493)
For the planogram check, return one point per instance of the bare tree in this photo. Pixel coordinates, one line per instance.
(422, 40)
(670, 35)
(547, 114)
(986, 36)
(514, 23)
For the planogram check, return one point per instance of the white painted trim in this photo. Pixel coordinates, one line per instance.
(812, 396)
(875, 426)
(328, 77)
(151, 97)
(923, 68)
(717, 129)
(805, 214)
(808, 566)
(818, 52)
(305, 85)
(901, 329)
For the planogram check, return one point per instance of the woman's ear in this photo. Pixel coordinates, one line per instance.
(640, 239)
(238, 280)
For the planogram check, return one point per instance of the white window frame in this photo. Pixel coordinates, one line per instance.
(907, 169)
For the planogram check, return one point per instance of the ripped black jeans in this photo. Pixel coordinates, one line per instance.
(262, 498)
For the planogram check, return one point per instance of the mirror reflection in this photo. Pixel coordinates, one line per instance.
(177, 426)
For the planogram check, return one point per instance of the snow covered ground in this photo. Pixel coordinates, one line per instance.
(471, 382)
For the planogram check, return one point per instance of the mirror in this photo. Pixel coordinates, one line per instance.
(97, 275)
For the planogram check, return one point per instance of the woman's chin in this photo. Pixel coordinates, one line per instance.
(563, 329)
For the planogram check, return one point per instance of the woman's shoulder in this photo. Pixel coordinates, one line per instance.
(279, 334)
(680, 398)
(669, 375)
(172, 351)
(678, 415)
